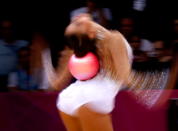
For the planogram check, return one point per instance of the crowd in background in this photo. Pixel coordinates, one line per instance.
(19, 70)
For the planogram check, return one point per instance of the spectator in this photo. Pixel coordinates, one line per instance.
(100, 15)
(174, 32)
(38, 42)
(23, 78)
(127, 28)
(30, 74)
(162, 53)
(9, 47)
(139, 55)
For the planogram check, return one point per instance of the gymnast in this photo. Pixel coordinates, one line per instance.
(86, 104)
(101, 61)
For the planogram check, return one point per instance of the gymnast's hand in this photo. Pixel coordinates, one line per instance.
(39, 43)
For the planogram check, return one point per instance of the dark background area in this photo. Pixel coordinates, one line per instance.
(51, 18)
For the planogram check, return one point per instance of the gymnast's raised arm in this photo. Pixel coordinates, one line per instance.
(60, 77)
(41, 58)
(122, 56)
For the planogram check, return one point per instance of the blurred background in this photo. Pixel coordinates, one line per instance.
(150, 26)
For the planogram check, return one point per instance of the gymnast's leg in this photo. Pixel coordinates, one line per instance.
(92, 121)
(71, 123)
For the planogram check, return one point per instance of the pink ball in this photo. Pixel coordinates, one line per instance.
(84, 68)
